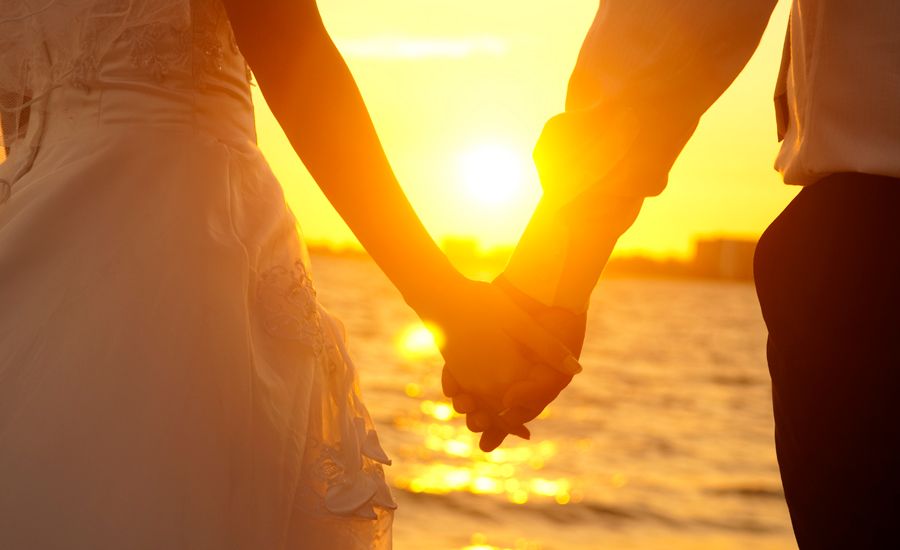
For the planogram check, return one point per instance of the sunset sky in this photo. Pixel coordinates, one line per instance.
(459, 91)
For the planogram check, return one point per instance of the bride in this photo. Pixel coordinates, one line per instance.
(168, 378)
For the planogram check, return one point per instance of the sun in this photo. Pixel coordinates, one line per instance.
(493, 174)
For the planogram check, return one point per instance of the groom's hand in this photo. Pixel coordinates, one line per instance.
(491, 345)
(527, 397)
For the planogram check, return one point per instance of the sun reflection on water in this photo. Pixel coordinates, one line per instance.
(456, 463)
(420, 340)
(480, 542)
(450, 460)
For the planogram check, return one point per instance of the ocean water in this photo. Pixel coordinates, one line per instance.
(664, 442)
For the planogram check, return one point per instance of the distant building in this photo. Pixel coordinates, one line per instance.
(724, 259)
(646, 267)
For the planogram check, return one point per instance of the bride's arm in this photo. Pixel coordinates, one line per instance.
(310, 90)
(315, 99)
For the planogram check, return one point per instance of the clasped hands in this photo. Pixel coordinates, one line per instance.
(506, 356)
(513, 355)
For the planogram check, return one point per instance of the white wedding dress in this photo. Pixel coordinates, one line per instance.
(168, 379)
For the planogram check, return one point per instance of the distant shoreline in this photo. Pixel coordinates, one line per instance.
(715, 258)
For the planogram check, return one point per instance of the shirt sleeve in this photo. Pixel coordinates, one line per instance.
(667, 61)
(647, 72)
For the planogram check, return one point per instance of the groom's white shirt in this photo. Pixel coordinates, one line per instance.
(843, 90)
(842, 82)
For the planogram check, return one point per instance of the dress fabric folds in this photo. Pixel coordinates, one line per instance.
(168, 378)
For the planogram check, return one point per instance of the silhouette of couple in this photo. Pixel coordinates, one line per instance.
(168, 378)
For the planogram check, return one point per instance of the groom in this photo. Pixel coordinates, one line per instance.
(827, 269)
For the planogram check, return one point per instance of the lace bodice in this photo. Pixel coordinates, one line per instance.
(160, 47)
(51, 44)
(53, 50)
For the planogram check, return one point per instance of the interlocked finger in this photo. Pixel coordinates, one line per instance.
(464, 404)
(449, 385)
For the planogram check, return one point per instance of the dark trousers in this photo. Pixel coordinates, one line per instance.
(828, 279)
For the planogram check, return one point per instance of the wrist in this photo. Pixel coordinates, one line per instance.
(537, 263)
(566, 324)
(431, 294)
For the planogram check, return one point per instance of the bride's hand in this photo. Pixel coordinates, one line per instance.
(527, 397)
(490, 344)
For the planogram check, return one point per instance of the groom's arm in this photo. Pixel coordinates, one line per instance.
(647, 72)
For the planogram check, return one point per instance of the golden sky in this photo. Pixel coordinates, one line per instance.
(459, 91)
